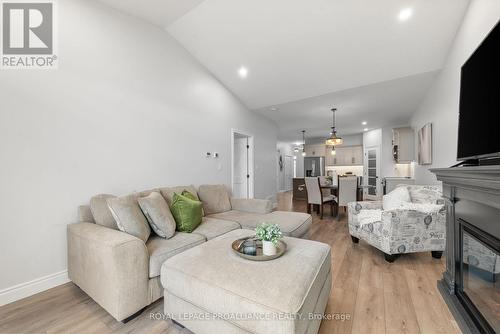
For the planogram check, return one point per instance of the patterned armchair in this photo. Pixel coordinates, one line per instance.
(402, 231)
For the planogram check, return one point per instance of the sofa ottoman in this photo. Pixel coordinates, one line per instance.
(209, 289)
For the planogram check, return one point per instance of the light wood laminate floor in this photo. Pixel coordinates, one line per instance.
(371, 295)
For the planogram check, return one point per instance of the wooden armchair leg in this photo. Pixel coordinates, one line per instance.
(321, 209)
(309, 208)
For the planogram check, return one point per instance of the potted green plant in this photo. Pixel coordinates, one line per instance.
(269, 234)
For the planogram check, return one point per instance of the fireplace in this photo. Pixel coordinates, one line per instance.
(471, 282)
(477, 277)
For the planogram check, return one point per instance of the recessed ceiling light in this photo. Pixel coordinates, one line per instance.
(405, 14)
(243, 72)
(363, 123)
(365, 129)
(274, 108)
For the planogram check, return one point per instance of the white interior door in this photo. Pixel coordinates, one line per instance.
(371, 173)
(242, 165)
(240, 169)
(288, 167)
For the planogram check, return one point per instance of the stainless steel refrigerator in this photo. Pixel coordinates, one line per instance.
(314, 166)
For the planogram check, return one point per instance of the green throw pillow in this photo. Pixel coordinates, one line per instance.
(186, 211)
(189, 195)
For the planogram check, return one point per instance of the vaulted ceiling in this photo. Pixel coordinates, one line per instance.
(304, 57)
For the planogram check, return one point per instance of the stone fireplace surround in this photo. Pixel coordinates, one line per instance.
(472, 196)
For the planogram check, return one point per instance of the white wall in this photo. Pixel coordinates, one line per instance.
(440, 106)
(282, 149)
(300, 164)
(128, 109)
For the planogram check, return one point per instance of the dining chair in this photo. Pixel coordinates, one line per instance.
(316, 197)
(324, 181)
(347, 191)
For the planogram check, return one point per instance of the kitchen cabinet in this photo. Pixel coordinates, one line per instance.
(345, 156)
(403, 145)
(317, 150)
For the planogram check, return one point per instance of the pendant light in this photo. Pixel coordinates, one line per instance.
(303, 143)
(333, 140)
(333, 152)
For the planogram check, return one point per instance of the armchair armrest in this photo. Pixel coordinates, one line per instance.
(353, 209)
(110, 266)
(365, 205)
(252, 205)
(415, 231)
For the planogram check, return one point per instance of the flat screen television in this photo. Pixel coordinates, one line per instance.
(479, 114)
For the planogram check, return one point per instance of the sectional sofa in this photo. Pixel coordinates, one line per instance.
(122, 272)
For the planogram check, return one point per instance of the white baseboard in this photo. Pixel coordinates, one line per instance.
(30, 288)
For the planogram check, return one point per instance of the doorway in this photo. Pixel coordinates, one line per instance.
(371, 173)
(242, 164)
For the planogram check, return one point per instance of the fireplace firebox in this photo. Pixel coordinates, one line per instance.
(471, 282)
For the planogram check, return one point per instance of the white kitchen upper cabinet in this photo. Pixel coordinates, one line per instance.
(403, 141)
(345, 156)
(358, 155)
(317, 150)
(329, 158)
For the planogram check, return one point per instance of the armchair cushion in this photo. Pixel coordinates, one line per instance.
(422, 207)
(425, 194)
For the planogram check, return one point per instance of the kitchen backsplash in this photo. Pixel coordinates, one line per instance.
(341, 170)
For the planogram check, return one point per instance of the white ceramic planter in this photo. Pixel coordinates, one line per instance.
(268, 248)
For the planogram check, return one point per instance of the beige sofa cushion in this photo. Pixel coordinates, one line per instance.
(85, 214)
(168, 192)
(292, 224)
(100, 211)
(215, 198)
(129, 217)
(245, 219)
(158, 214)
(161, 249)
(216, 280)
(212, 227)
(251, 205)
